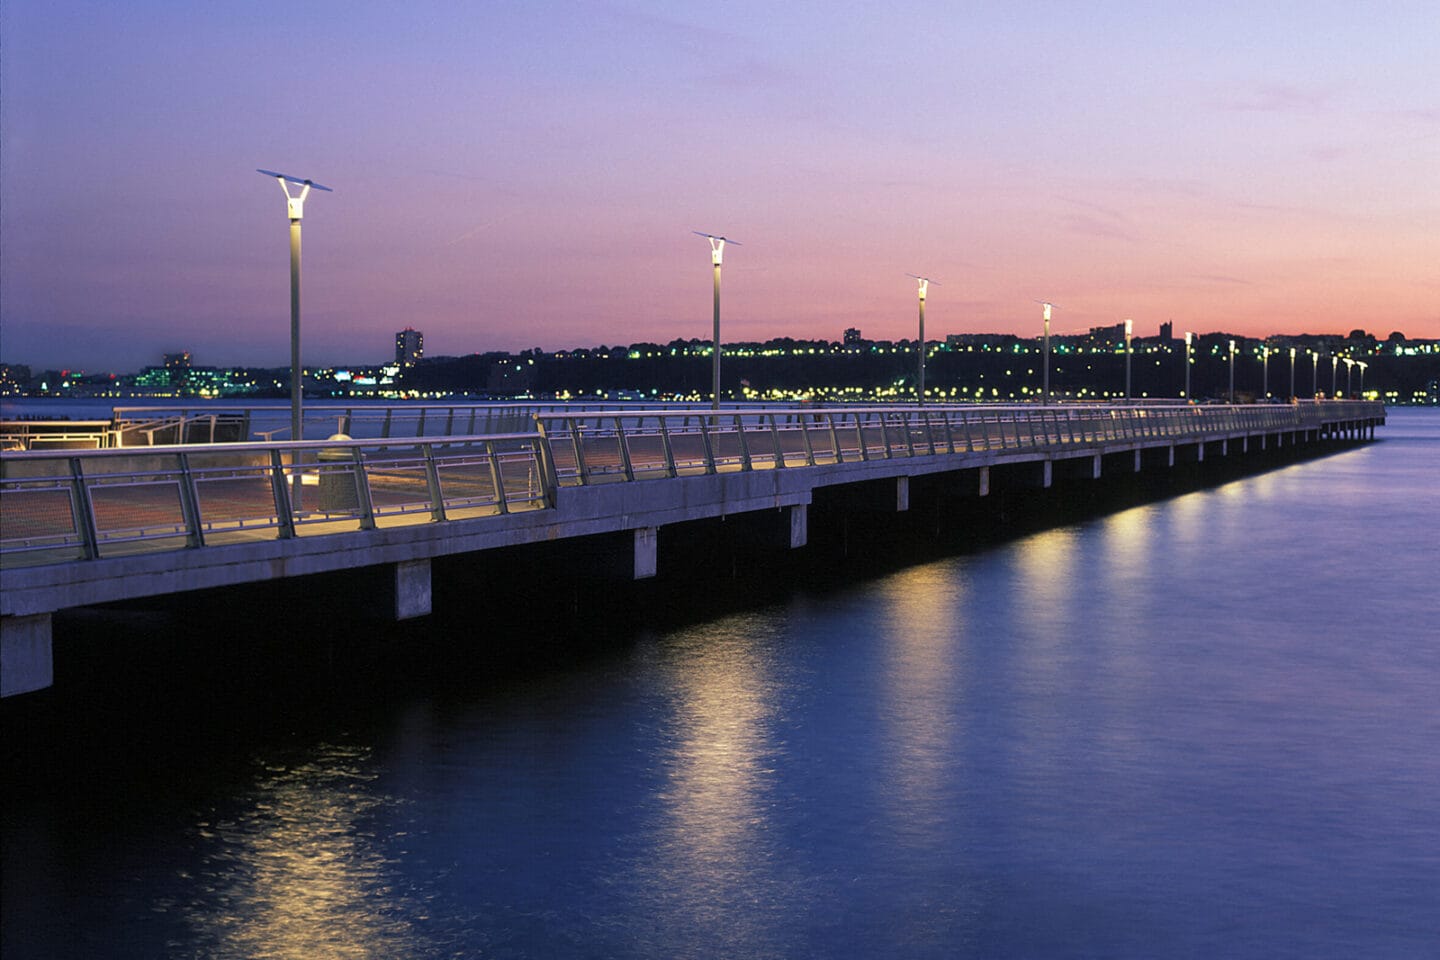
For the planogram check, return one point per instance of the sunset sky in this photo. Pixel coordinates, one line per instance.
(514, 175)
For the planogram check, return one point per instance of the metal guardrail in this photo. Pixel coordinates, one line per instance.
(104, 503)
(149, 425)
(87, 504)
(620, 445)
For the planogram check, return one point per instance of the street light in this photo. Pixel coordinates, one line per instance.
(717, 250)
(1188, 338)
(1046, 308)
(1314, 374)
(1349, 369)
(923, 286)
(1129, 330)
(1334, 363)
(1232, 371)
(1292, 373)
(1362, 364)
(1265, 368)
(295, 205)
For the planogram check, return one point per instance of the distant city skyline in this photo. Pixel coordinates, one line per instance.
(509, 177)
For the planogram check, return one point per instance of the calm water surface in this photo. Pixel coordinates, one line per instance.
(1207, 727)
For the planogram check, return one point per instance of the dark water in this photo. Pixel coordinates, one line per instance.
(1206, 727)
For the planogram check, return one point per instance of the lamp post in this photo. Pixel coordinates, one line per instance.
(1314, 373)
(295, 205)
(1129, 331)
(717, 250)
(1046, 308)
(1334, 363)
(923, 287)
(1292, 373)
(1349, 370)
(1232, 371)
(1362, 365)
(1188, 338)
(1265, 371)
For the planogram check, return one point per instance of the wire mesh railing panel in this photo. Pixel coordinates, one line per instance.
(37, 524)
(727, 446)
(397, 485)
(647, 455)
(128, 513)
(521, 478)
(467, 483)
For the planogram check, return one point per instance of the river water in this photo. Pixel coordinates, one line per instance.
(1203, 727)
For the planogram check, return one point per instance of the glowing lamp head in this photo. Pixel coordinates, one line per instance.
(1188, 335)
(1046, 311)
(1129, 327)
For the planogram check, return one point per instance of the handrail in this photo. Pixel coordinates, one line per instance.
(606, 445)
(84, 505)
(65, 505)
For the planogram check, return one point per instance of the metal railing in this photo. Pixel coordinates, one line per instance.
(104, 503)
(621, 445)
(151, 425)
(86, 504)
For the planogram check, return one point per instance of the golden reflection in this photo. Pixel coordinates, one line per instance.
(1126, 541)
(1046, 567)
(718, 768)
(925, 611)
(296, 875)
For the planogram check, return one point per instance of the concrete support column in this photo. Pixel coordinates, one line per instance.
(412, 589)
(646, 552)
(902, 494)
(983, 484)
(1224, 448)
(1047, 474)
(27, 660)
(1140, 460)
(799, 525)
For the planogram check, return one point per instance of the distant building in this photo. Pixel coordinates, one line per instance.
(178, 364)
(1167, 330)
(409, 347)
(852, 337)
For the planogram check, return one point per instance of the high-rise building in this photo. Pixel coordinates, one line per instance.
(1167, 330)
(409, 347)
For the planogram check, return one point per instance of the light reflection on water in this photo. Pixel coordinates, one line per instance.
(296, 870)
(1204, 727)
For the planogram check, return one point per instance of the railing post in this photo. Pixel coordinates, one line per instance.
(744, 444)
(621, 441)
(578, 447)
(670, 469)
(496, 479)
(546, 458)
(281, 491)
(709, 447)
(432, 480)
(362, 490)
(83, 511)
(775, 433)
(834, 437)
(805, 437)
(190, 501)
(885, 435)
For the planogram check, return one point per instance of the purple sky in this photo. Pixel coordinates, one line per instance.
(511, 175)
